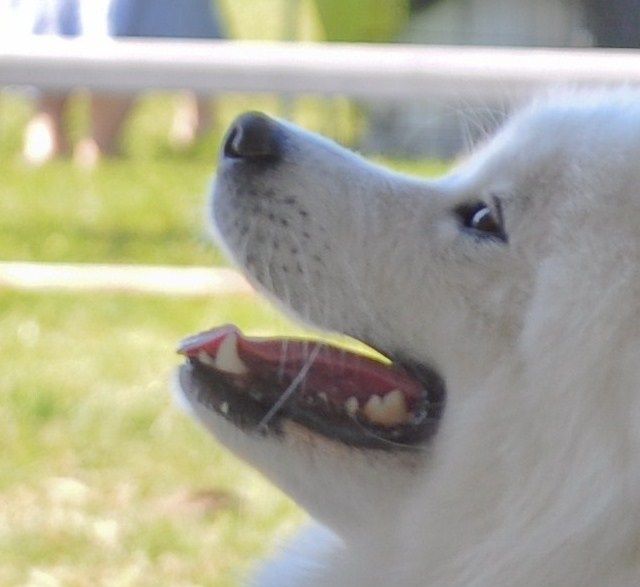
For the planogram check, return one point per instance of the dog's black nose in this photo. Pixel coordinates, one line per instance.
(254, 137)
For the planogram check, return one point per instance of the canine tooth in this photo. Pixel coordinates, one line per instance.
(389, 410)
(203, 357)
(352, 406)
(227, 358)
(323, 396)
(224, 408)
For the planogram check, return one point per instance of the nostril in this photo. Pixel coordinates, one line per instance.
(229, 148)
(253, 136)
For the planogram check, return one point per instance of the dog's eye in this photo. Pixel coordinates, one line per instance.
(482, 220)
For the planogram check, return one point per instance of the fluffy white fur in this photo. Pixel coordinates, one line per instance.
(533, 479)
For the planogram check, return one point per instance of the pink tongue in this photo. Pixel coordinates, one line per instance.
(337, 372)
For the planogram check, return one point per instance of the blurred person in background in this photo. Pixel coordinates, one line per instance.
(46, 136)
(168, 19)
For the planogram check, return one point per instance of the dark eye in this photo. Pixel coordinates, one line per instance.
(483, 220)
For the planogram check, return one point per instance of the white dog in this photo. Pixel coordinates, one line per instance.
(500, 445)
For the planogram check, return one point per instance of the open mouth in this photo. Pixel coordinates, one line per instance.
(257, 382)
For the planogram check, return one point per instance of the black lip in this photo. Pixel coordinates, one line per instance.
(247, 407)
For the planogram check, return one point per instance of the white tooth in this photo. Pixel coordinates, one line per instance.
(352, 406)
(373, 407)
(390, 410)
(224, 408)
(227, 358)
(396, 405)
(203, 357)
(323, 396)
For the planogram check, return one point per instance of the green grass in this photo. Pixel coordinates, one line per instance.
(101, 477)
(122, 212)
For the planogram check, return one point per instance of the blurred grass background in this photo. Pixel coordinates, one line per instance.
(102, 480)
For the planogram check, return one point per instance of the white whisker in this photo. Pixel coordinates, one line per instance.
(293, 387)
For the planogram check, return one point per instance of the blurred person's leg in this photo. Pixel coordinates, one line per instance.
(45, 136)
(192, 119)
(173, 19)
(205, 109)
(108, 113)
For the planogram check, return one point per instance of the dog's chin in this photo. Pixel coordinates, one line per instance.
(262, 385)
(346, 474)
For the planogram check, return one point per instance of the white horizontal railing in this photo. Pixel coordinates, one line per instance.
(182, 281)
(373, 71)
